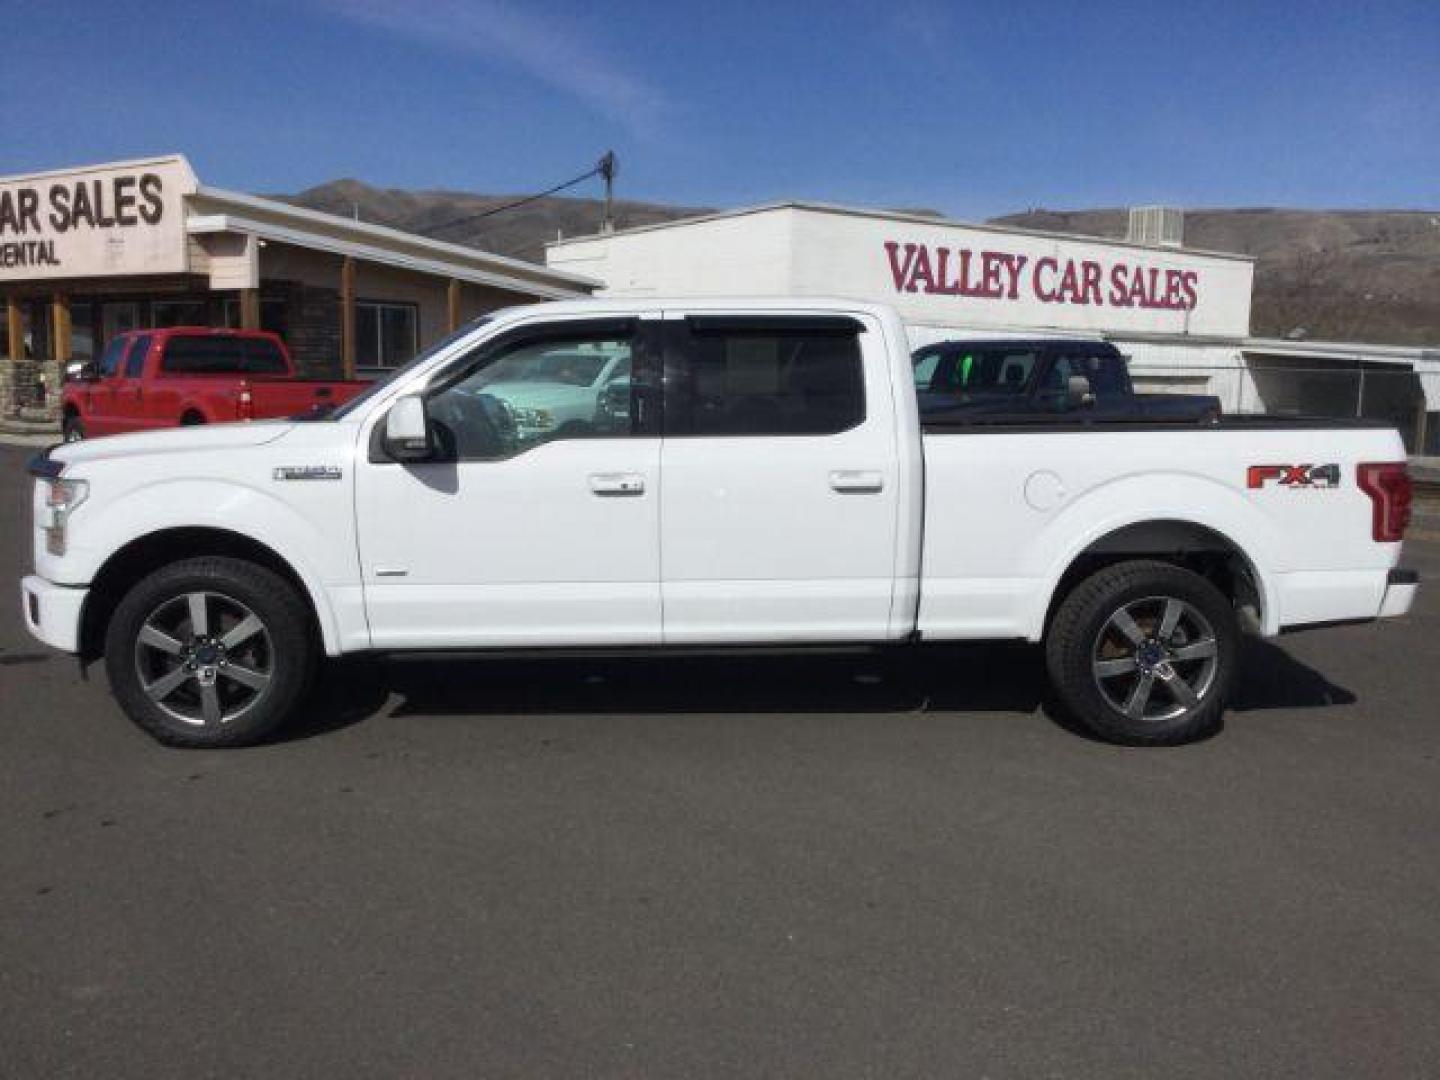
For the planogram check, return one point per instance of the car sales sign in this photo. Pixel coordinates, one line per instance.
(126, 218)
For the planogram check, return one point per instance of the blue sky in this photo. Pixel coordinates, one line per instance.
(973, 109)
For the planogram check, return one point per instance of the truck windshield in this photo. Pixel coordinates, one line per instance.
(385, 380)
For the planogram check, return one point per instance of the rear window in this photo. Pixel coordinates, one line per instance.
(223, 355)
(263, 357)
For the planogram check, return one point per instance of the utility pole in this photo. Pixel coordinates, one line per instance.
(607, 169)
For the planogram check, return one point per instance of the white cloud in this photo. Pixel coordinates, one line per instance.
(548, 50)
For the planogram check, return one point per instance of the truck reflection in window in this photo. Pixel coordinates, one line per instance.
(536, 393)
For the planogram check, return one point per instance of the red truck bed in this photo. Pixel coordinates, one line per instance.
(150, 379)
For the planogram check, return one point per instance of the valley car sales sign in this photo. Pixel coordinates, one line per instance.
(127, 218)
(948, 274)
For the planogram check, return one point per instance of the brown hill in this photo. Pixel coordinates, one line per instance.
(1340, 275)
(456, 215)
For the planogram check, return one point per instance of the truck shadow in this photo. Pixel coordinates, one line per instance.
(938, 678)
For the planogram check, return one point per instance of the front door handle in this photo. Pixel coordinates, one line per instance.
(609, 484)
(857, 481)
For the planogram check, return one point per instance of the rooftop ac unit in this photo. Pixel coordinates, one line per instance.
(1157, 226)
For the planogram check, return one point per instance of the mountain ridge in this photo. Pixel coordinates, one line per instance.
(1335, 275)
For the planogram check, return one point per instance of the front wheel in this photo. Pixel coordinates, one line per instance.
(72, 429)
(1143, 653)
(210, 652)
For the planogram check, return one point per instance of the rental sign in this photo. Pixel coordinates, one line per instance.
(117, 219)
(937, 270)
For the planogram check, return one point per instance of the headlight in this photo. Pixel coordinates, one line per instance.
(540, 419)
(60, 502)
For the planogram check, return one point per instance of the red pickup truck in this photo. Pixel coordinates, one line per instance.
(150, 379)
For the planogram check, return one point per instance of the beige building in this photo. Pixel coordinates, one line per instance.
(90, 252)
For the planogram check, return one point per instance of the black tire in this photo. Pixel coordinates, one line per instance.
(1090, 644)
(191, 419)
(209, 705)
(72, 429)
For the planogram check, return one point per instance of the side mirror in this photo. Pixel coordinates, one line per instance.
(407, 430)
(1077, 392)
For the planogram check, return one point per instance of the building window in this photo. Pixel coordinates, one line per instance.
(386, 334)
(164, 313)
(272, 315)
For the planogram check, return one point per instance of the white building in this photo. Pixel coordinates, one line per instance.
(1182, 316)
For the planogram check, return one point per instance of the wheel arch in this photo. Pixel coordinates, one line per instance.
(153, 550)
(1180, 541)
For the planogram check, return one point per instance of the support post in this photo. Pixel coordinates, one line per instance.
(60, 334)
(452, 305)
(15, 329)
(347, 317)
(1422, 423)
(249, 309)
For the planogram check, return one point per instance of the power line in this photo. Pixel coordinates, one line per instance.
(605, 167)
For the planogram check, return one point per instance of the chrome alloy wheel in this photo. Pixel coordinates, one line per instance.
(1158, 639)
(204, 658)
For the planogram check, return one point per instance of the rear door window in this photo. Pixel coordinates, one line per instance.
(802, 377)
(1106, 374)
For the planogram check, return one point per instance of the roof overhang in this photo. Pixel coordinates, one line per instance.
(215, 211)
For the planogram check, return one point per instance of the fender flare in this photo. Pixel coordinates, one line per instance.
(1188, 499)
(282, 537)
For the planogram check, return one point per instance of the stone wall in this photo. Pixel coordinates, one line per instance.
(30, 390)
(313, 334)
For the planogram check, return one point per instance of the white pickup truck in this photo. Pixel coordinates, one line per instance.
(765, 479)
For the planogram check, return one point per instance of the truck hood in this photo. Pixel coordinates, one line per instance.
(173, 441)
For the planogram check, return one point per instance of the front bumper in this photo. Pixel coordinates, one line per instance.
(1400, 589)
(52, 612)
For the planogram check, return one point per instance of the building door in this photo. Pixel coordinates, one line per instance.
(780, 481)
(539, 522)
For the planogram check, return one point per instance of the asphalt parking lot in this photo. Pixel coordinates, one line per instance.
(752, 866)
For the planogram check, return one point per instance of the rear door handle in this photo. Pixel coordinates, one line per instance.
(857, 481)
(617, 484)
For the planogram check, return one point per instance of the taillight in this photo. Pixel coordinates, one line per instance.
(245, 406)
(1390, 489)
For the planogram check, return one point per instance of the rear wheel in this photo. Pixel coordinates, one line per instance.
(210, 652)
(1143, 653)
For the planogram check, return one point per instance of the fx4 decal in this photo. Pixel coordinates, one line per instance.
(1294, 476)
